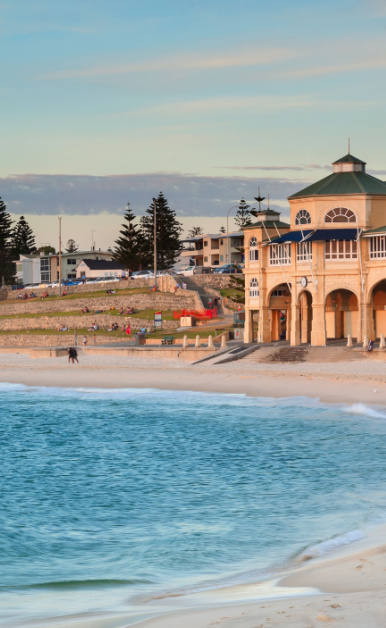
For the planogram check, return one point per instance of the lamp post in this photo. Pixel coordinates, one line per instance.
(60, 255)
(155, 243)
(229, 210)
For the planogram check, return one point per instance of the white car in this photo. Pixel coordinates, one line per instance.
(186, 271)
(142, 274)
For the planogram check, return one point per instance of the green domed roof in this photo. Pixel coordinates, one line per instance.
(349, 177)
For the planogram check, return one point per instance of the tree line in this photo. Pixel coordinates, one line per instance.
(134, 248)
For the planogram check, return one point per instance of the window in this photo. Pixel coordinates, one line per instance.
(340, 214)
(279, 254)
(222, 242)
(71, 261)
(205, 242)
(253, 250)
(45, 269)
(279, 293)
(302, 218)
(221, 258)
(340, 249)
(205, 259)
(304, 251)
(253, 288)
(377, 247)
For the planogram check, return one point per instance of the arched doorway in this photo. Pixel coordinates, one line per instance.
(305, 313)
(342, 316)
(378, 299)
(280, 310)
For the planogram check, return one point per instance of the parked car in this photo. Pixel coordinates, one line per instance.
(186, 271)
(203, 270)
(142, 274)
(229, 269)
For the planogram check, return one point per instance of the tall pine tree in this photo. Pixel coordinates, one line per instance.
(23, 239)
(7, 268)
(243, 215)
(168, 233)
(131, 248)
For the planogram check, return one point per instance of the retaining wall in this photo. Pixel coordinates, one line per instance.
(103, 321)
(153, 301)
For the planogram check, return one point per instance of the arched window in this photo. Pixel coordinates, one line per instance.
(253, 250)
(340, 214)
(253, 288)
(302, 218)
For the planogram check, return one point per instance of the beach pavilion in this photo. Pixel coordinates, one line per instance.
(323, 276)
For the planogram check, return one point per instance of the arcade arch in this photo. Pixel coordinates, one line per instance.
(280, 312)
(342, 315)
(305, 316)
(378, 302)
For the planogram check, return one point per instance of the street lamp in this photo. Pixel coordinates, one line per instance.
(229, 210)
(155, 243)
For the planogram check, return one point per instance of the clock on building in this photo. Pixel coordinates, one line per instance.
(304, 282)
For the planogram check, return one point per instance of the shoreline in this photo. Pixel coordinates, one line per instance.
(344, 586)
(332, 383)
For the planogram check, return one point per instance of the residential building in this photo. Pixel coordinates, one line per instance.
(92, 268)
(42, 268)
(214, 249)
(323, 276)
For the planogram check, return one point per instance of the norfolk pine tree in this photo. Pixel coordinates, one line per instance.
(131, 248)
(243, 215)
(168, 233)
(23, 239)
(71, 246)
(7, 268)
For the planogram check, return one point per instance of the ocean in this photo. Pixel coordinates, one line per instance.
(111, 497)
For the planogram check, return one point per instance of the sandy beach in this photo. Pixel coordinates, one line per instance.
(345, 587)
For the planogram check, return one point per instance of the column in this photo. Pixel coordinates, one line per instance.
(295, 324)
(248, 327)
(264, 325)
(318, 331)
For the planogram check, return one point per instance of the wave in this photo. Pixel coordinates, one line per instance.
(361, 408)
(320, 549)
(78, 584)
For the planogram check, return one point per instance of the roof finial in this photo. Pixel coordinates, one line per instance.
(259, 198)
(349, 146)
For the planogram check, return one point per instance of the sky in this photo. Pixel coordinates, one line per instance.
(105, 102)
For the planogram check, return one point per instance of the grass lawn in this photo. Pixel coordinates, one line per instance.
(81, 295)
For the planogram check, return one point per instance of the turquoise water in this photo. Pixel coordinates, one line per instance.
(108, 496)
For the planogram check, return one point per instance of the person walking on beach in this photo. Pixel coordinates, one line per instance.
(72, 355)
(84, 342)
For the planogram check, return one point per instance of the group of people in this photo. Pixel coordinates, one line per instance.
(85, 310)
(113, 327)
(25, 295)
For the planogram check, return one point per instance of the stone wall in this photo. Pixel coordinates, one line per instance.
(103, 321)
(153, 301)
(59, 340)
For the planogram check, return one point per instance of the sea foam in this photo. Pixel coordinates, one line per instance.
(325, 547)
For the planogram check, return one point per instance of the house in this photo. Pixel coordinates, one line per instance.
(213, 249)
(40, 268)
(323, 275)
(91, 269)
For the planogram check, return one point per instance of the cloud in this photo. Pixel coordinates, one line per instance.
(207, 60)
(188, 195)
(301, 167)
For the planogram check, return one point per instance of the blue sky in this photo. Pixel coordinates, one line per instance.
(212, 96)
